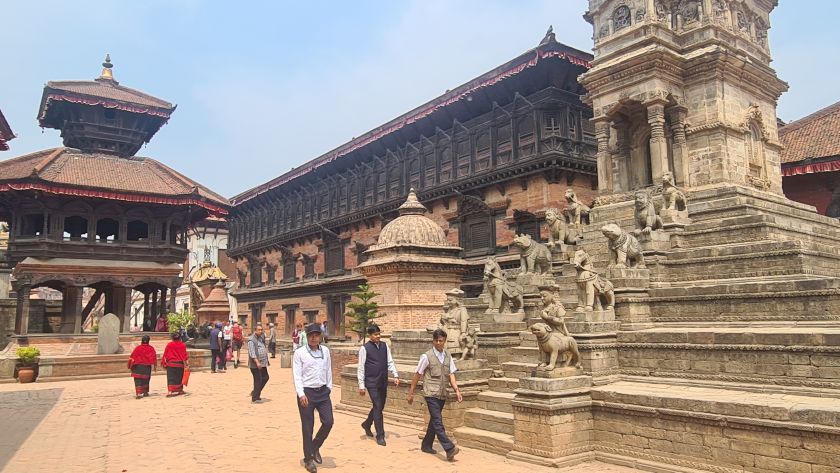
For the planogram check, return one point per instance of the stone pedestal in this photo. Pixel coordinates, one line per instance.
(631, 286)
(561, 253)
(656, 242)
(506, 317)
(552, 420)
(495, 341)
(595, 332)
(674, 220)
(410, 344)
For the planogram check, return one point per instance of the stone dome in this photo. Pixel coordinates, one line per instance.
(412, 227)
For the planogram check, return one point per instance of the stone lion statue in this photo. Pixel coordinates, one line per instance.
(534, 256)
(558, 232)
(576, 211)
(555, 347)
(674, 198)
(625, 250)
(647, 218)
(594, 290)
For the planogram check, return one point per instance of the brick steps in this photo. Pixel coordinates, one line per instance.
(496, 401)
(493, 442)
(504, 385)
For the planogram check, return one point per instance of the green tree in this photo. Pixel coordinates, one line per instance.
(363, 311)
(180, 320)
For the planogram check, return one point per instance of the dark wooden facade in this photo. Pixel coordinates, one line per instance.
(470, 159)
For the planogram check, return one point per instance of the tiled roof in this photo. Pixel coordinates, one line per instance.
(108, 90)
(813, 137)
(68, 167)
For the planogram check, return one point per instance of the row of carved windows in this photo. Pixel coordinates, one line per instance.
(105, 230)
(426, 164)
(333, 266)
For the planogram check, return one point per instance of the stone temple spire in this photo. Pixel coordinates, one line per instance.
(412, 206)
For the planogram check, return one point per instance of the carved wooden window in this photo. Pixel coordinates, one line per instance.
(289, 268)
(33, 225)
(381, 183)
(478, 235)
(242, 275)
(353, 195)
(289, 312)
(482, 150)
(271, 273)
(551, 123)
(370, 190)
(310, 316)
(430, 165)
(395, 177)
(445, 164)
(503, 143)
(621, 17)
(136, 230)
(525, 134)
(587, 127)
(414, 171)
(527, 223)
(342, 198)
(334, 258)
(324, 205)
(255, 268)
(308, 266)
(462, 150)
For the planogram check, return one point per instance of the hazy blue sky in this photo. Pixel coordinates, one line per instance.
(264, 86)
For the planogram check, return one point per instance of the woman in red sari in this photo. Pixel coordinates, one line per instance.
(175, 359)
(141, 362)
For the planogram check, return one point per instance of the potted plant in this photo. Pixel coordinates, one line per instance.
(27, 357)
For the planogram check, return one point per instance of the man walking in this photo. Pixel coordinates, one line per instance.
(437, 368)
(258, 362)
(374, 364)
(216, 349)
(272, 339)
(312, 371)
(238, 339)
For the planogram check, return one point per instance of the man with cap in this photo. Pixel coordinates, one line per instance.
(374, 364)
(312, 372)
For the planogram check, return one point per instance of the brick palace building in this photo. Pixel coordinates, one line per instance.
(486, 158)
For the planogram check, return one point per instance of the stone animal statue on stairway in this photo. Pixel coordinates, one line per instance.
(468, 342)
(504, 295)
(625, 250)
(647, 218)
(576, 210)
(555, 347)
(534, 256)
(558, 232)
(672, 196)
(595, 292)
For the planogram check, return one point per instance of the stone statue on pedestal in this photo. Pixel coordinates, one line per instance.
(553, 313)
(576, 211)
(647, 218)
(674, 198)
(625, 250)
(534, 257)
(555, 347)
(558, 232)
(468, 342)
(454, 318)
(595, 292)
(505, 296)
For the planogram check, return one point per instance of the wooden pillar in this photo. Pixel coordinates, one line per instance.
(146, 309)
(155, 309)
(71, 309)
(172, 293)
(658, 146)
(605, 171)
(162, 308)
(22, 312)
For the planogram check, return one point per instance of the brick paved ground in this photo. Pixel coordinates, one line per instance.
(98, 426)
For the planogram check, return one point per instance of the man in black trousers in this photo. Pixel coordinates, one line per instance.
(374, 364)
(312, 372)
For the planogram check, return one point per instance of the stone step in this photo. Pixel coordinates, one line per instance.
(747, 286)
(496, 401)
(519, 369)
(504, 385)
(493, 421)
(493, 442)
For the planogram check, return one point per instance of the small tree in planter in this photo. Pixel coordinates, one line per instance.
(178, 321)
(27, 357)
(364, 311)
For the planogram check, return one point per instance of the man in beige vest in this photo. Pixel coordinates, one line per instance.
(437, 368)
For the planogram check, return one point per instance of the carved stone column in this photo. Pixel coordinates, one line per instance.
(680, 147)
(22, 316)
(621, 157)
(605, 171)
(658, 146)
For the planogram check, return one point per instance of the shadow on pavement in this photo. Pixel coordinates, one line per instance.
(21, 412)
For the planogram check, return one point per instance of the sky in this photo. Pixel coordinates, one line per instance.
(264, 86)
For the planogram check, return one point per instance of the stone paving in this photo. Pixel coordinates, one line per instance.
(98, 426)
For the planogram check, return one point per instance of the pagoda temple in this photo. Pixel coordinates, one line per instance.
(92, 214)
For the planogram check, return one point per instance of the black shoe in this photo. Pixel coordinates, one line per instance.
(317, 456)
(310, 466)
(367, 430)
(380, 441)
(428, 450)
(256, 401)
(450, 454)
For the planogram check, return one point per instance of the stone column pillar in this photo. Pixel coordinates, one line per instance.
(605, 171)
(658, 146)
(680, 147)
(77, 310)
(22, 315)
(621, 157)
(155, 310)
(172, 293)
(71, 309)
(147, 313)
(162, 308)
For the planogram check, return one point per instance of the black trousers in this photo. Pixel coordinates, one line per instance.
(217, 355)
(378, 395)
(435, 427)
(224, 346)
(319, 400)
(260, 379)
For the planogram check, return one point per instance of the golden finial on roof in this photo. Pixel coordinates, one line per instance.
(107, 74)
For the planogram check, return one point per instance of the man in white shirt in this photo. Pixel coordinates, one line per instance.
(312, 371)
(374, 364)
(437, 368)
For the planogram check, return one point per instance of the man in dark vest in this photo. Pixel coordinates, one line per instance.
(437, 368)
(374, 364)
